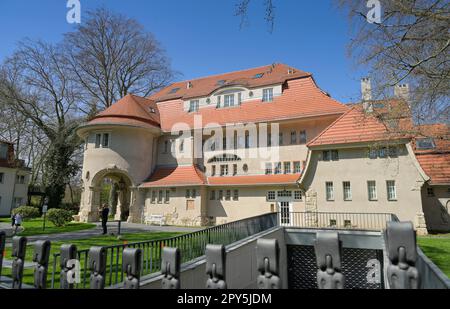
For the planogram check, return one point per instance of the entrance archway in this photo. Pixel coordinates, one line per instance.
(113, 187)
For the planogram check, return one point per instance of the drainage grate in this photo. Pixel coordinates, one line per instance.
(363, 268)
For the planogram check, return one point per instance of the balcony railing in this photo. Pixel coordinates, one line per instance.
(336, 220)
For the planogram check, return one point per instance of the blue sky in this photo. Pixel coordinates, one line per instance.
(202, 37)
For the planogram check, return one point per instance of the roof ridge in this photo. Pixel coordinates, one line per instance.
(330, 126)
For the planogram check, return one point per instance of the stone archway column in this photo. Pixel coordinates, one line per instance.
(89, 211)
(137, 202)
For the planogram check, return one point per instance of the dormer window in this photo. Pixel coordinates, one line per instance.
(425, 143)
(229, 100)
(193, 106)
(267, 95)
(221, 82)
(259, 75)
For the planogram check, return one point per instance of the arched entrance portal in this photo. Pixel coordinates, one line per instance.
(113, 187)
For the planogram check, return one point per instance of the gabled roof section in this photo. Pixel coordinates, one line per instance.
(130, 110)
(176, 176)
(250, 78)
(355, 126)
(301, 98)
(436, 166)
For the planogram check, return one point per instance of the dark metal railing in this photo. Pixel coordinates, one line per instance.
(191, 245)
(336, 220)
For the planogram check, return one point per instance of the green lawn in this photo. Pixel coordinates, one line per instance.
(437, 248)
(81, 244)
(34, 227)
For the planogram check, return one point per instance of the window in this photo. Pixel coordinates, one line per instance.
(347, 191)
(284, 193)
(383, 152)
(105, 141)
(287, 167)
(234, 169)
(430, 192)
(221, 82)
(213, 170)
(153, 198)
(190, 205)
(297, 167)
(228, 100)
(425, 143)
(166, 146)
(194, 106)
(3, 151)
(298, 195)
(334, 155)
(20, 179)
(160, 196)
(293, 137)
(174, 90)
(247, 139)
(269, 140)
(326, 155)
(259, 75)
(188, 193)
(223, 170)
(98, 139)
(391, 190)
(373, 154)
(269, 168)
(372, 190)
(194, 193)
(329, 191)
(267, 95)
(218, 101)
(181, 145)
(224, 143)
(333, 222)
(236, 195)
(220, 195)
(303, 137)
(278, 168)
(2, 175)
(280, 138)
(393, 151)
(239, 98)
(212, 195)
(271, 195)
(167, 199)
(18, 201)
(228, 195)
(347, 224)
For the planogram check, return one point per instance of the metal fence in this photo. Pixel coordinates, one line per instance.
(336, 220)
(191, 245)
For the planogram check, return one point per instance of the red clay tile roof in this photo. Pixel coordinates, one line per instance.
(272, 74)
(439, 132)
(254, 180)
(436, 166)
(130, 110)
(300, 99)
(354, 126)
(175, 176)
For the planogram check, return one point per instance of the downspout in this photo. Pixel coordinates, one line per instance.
(13, 191)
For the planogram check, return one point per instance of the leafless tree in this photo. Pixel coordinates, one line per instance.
(34, 82)
(242, 9)
(410, 44)
(111, 55)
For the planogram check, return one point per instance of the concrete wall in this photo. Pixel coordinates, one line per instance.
(354, 165)
(436, 208)
(9, 189)
(241, 268)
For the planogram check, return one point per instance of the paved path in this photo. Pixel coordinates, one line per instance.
(97, 231)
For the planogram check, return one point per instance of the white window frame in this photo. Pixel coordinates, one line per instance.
(267, 95)
(389, 186)
(277, 168)
(329, 194)
(293, 137)
(270, 194)
(235, 195)
(194, 106)
(224, 170)
(297, 167)
(372, 190)
(347, 190)
(297, 195)
(228, 100)
(303, 137)
(287, 167)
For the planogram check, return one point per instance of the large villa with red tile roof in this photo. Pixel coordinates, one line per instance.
(225, 147)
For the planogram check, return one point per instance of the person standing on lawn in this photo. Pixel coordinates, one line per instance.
(13, 220)
(105, 214)
(17, 222)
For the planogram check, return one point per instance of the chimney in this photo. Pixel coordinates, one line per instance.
(402, 91)
(189, 85)
(366, 89)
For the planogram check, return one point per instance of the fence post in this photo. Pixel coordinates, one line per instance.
(40, 257)
(328, 254)
(97, 266)
(19, 247)
(170, 268)
(69, 267)
(2, 250)
(268, 262)
(131, 266)
(215, 267)
(402, 254)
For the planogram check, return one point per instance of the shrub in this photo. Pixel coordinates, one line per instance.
(27, 212)
(59, 217)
